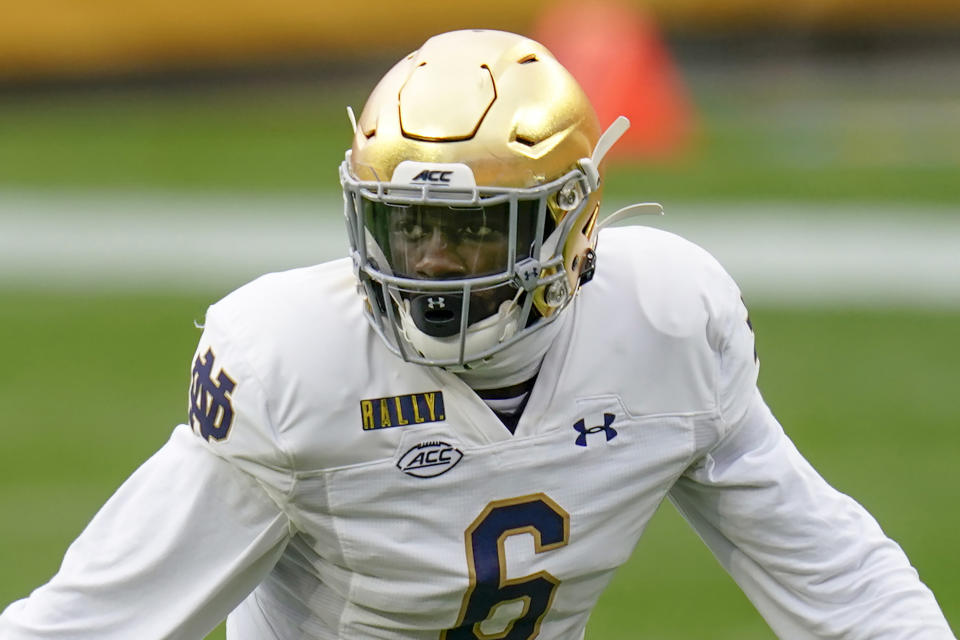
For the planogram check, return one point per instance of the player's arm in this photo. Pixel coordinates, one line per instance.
(812, 560)
(189, 534)
(175, 549)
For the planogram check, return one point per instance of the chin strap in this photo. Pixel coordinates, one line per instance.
(591, 165)
(591, 168)
(638, 209)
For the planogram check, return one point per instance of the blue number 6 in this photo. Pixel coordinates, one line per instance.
(489, 588)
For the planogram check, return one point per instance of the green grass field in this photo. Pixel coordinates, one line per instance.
(768, 140)
(93, 384)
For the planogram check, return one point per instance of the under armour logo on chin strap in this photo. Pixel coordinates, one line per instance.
(608, 430)
(436, 303)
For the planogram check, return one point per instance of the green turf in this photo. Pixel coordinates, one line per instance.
(205, 140)
(750, 147)
(92, 385)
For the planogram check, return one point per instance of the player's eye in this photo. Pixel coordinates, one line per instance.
(412, 231)
(476, 232)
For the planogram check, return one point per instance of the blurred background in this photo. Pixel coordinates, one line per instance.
(156, 155)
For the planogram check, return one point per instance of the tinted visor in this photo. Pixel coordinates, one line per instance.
(438, 242)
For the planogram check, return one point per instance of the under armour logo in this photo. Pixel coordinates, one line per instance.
(581, 427)
(436, 303)
(211, 407)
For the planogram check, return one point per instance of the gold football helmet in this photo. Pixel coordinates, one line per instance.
(471, 193)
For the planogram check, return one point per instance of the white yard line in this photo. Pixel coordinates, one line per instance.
(841, 255)
(780, 254)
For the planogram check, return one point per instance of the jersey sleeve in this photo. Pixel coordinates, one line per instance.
(731, 339)
(814, 563)
(230, 406)
(192, 532)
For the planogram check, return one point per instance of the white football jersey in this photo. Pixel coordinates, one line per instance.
(325, 489)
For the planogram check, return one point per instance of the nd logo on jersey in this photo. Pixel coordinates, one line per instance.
(211, 407)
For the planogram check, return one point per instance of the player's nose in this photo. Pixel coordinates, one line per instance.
(439, 258)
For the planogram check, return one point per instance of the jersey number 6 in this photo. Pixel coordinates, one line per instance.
(489, 588)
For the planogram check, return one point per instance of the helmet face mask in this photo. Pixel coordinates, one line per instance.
(442, 263)
(469, 232)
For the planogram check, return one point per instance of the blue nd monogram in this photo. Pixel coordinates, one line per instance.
(211, 408)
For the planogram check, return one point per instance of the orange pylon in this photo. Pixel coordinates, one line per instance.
(616, 53)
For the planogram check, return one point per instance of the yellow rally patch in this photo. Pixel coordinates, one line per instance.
(400, 411)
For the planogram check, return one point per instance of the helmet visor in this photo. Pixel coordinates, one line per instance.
(449, 242)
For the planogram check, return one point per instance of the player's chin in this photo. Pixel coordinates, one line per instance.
(486, 303)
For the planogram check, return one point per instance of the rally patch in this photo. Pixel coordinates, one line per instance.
(402, 411)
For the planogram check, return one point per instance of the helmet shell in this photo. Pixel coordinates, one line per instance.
(495, 101)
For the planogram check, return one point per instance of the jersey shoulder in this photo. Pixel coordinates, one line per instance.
(672, 320)
(293, 300)
(662, 270)
(277, 349)
(296, 319)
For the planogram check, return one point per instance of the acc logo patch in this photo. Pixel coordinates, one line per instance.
(211, 407)
(429, 459)
(400, 411)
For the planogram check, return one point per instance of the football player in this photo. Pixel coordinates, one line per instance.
(461, 430)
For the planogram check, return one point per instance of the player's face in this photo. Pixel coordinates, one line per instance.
(442, 243)
(429, 242)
